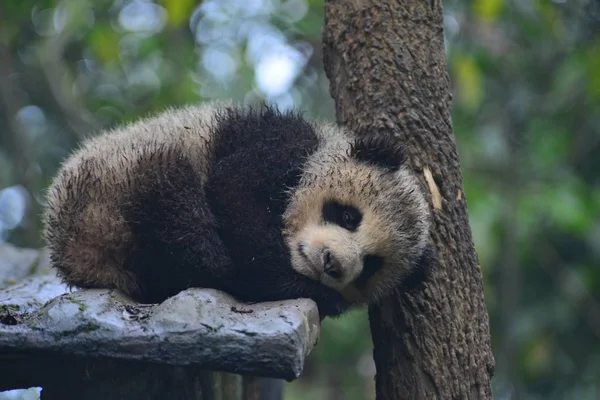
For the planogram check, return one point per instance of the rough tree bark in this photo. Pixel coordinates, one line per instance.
(387, 69)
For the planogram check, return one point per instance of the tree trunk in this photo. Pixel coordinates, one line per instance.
(387, 69)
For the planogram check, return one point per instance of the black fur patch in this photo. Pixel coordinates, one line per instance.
(347, 217)
(371, 264)
(380, 150)
(175, 242)
(421, 272)
(260, 153)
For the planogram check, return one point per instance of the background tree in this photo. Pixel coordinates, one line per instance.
(387, 68)
(526, 112)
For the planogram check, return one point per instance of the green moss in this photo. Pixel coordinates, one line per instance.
(86, 328)
(10, 308)
(82, 307)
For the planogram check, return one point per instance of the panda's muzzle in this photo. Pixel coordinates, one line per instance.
(331, 265)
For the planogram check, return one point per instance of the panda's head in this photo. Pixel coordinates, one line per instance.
(358, 221)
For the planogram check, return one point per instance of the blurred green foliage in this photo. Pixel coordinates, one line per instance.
(526, 113)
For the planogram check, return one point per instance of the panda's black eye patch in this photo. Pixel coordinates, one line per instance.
(347, 217)
(371, 264)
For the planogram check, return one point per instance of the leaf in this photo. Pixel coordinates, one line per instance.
(178, 11)
(469, 80)
(105, 43)
(488, 10)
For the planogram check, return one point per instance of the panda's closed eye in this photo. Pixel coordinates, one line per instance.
(347, 217)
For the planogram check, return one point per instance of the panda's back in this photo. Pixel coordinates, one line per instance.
(183, 132)
(87, 229)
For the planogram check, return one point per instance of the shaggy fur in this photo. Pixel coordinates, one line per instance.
(258, 203)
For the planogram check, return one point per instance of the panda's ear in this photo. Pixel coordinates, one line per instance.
(381, 150)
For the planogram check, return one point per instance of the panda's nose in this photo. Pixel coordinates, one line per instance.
(331, 266)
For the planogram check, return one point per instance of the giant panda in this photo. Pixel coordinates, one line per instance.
(253, 201)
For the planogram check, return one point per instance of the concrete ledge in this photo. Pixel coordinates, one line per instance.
(200, 328)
